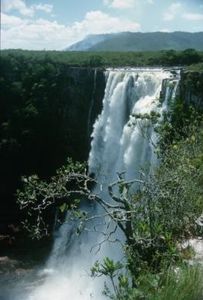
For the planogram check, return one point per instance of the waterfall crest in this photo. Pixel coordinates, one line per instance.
(118, 145)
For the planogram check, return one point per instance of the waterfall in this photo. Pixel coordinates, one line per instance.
(119, 144)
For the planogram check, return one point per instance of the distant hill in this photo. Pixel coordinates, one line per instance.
(137, 41)
(88, 42)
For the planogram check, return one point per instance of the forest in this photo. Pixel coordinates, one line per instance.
(107, 59)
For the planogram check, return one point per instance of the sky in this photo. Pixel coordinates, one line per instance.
(56, 24)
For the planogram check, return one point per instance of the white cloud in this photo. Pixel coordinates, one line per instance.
(99, 22)
(23, 9)
(9, 21)
(18, 5)
(125, 4)
(176, 9)
(121, 4)
(48, 8)
(44, 34)
(172, 11)
(192, 17)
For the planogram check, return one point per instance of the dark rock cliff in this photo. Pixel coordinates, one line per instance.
(191, 88)
(47, 114)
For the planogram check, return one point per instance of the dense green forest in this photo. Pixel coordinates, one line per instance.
(106, 59)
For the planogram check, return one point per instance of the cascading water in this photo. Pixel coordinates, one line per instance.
(118, 144)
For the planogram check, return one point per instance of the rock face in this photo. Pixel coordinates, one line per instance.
(84, 94)
(191, 88)
(46, 117)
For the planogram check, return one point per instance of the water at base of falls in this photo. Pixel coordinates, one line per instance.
(118, 144)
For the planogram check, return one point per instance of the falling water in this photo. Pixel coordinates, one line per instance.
(119, 144)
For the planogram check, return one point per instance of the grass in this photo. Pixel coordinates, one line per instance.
(185, 283)
(195, 67)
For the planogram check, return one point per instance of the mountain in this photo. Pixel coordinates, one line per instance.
(138, 41)
(90, 41)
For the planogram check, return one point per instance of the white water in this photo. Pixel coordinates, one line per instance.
(117, 145)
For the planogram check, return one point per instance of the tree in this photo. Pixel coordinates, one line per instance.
(96, 61)
(189, 56)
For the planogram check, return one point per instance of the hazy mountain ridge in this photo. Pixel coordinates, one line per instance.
(88, 42)
(137, 41)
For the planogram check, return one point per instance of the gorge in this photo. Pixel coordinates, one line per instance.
(123, 140)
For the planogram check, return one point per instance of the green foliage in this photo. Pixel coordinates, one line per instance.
(95, 61)
(178, 123)
(63, 191)
(177, 183)
(184, 283)
(186, 57)
(99, 59)
(108, 267)
(196, 67)
(113, 271)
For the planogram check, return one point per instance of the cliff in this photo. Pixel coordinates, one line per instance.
(191, 88)
(47, 113)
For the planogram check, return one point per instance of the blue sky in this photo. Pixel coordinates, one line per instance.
(56, 24)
